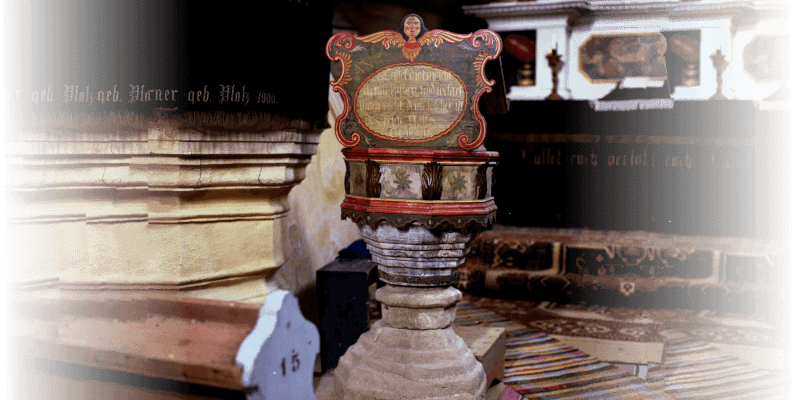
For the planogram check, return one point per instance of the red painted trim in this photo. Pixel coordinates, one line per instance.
(355, 137)
(490, 39)
(346, 40)
(428, 139)
(419, 207)
(463, 139)
(411, 156)
(341, 39)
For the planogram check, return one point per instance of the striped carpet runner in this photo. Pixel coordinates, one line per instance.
(540, 367)
(695, 370)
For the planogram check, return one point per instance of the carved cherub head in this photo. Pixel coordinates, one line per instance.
(412, 27)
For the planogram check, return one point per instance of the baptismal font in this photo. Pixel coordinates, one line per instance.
(418, 185)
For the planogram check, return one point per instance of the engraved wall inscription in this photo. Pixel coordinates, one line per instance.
(411, 102)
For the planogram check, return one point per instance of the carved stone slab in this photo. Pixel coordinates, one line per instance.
(413, 87)
(277, 357)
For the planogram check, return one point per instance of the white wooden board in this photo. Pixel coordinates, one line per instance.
(277, 357)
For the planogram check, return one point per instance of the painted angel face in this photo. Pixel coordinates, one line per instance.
(411, 27)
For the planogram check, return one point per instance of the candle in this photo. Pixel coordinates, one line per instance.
(553, 42)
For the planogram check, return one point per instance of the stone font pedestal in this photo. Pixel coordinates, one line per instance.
(413, 352)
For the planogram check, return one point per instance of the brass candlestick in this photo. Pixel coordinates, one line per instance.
(525, 76)
(690, 75)
(719, 63)
(554, 61)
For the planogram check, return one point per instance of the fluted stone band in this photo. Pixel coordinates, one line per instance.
(416, 256)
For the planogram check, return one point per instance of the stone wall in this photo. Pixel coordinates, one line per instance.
(315, 230)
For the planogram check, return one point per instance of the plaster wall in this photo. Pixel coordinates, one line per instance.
(315, 230)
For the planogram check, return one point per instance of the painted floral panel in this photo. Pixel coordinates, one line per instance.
(401, 181)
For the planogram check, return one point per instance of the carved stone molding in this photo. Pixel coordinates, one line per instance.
(417, 256)
(198, 212)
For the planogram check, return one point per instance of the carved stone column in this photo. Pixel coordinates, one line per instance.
(418, 184)
(160, 159)
(160, 206)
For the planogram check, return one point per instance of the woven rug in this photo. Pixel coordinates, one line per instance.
(694, 369)
(748, 337)
(540, 367)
